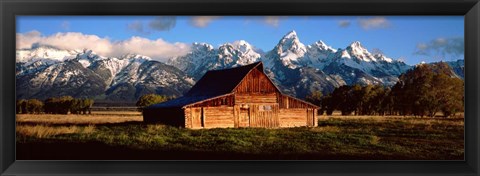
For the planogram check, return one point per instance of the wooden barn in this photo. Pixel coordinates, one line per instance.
(236, 97)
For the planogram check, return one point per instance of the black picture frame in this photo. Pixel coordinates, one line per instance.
(10, 8)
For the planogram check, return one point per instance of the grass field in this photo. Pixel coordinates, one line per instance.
(122, 135)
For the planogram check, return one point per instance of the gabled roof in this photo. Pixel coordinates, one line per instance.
(214, 84)
(219, 82)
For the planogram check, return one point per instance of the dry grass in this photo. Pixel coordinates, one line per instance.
(119, 113)
(114, 117)
(336, 137)
(45, 131)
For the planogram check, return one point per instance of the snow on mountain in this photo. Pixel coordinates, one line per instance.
(289, 51)
(86, 74)
(240, 52)
(352, 65)
(296, 68)
(45, 55)
(204, 57)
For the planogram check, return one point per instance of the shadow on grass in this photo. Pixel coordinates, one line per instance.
(99, 151)
(55, 149)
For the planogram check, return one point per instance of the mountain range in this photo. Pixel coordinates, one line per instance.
(298, 69)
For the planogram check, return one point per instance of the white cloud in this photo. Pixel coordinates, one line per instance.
(202, 21)
(157, 49)
(373, 23)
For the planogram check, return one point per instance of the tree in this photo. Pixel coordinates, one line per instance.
(328, 105)
(20, 106)
(316, 99)
(34, 106)
(87, 106)
(343, 99)
(66, 104)
(150, 99)
(428, 89)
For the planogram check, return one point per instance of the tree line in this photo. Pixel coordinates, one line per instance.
(55, 105)
(151, 99)
(422, 91)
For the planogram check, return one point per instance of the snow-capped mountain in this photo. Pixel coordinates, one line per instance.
(44, 72)
(297, 69)
(204, 57)
(327, 68)
(458, 67)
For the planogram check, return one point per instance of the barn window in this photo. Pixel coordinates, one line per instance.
(265, 108)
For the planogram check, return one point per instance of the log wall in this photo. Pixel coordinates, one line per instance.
(255, 98)
(209, 117)
(221, 117)
(293, 117)
(259, 117)
(286, 102)
(227, 100)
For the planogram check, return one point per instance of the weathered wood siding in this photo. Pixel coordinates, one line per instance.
(255, 98)
(209, 117)
(293, 117)
(227, 100)
(312, 117)
(290, 102)
(255, 82)
(259, 117)
(193, 117)
(218, 117)
(241, 116)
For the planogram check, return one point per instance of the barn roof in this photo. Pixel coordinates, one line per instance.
(219, 82)
(214, 84)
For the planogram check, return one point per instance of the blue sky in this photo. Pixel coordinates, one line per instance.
(412, 39)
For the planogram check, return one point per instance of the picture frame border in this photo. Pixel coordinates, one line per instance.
(9, 9)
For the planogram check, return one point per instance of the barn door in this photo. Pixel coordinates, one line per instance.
(244, 117)
(264, 115)
(196, 115)
(310, 117)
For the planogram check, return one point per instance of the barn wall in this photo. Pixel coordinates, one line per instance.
(213, 117)
(259, 117)
(218, 117)
(193, 117)
(255, 98)
(167, 116)
(289, 102)
(255, 82)
(227, 100)
(293, 117)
